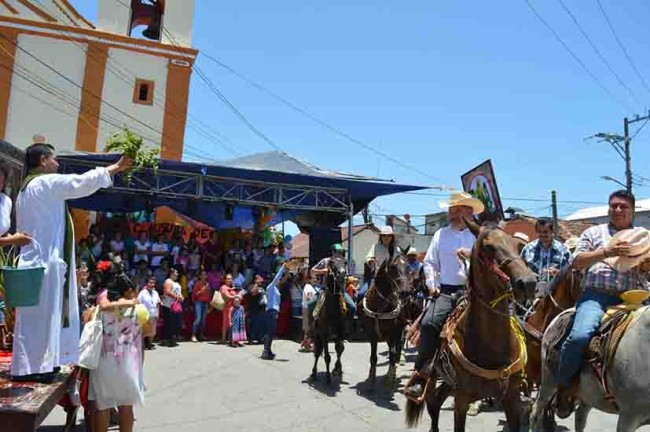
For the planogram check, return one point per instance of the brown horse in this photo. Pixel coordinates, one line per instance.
(563, 294)
(487, 362)
(385, 309)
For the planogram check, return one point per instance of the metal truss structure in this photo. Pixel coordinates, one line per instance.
(235, 191)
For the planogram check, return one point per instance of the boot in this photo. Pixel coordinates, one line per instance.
(564, 401)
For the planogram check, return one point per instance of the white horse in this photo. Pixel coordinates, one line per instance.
(628, 377)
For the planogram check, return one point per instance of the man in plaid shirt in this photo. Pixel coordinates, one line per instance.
(601, 286)
(545, 256)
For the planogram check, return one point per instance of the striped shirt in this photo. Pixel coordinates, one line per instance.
(601, 277)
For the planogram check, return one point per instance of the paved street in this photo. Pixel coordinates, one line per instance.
(206, 387)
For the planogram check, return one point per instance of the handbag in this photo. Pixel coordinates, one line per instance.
(176, 307)
(217, 301)
(90, 342)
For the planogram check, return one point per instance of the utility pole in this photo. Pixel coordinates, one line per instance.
(623, 150)
(554, 207)
(628, 158)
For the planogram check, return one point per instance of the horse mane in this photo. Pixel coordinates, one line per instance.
(559, 278)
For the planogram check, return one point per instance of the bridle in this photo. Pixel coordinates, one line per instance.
(496, 268)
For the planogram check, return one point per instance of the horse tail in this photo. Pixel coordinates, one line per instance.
(413, 413)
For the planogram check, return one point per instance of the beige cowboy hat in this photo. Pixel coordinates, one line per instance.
(412, 251)
(386, 230)
(639, 240)
(459, 198)
(521, 236)
(572, 242)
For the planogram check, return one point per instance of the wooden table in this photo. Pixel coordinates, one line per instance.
(24, 405)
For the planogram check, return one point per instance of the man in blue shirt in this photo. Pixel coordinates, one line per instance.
(273, 309)
(545, 256)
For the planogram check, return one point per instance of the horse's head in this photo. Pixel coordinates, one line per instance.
(337, 275)
(392, 273)
(495, 258)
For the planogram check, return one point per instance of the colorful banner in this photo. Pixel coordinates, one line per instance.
(169, 231)
(481, 183)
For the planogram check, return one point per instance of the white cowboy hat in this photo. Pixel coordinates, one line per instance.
(572, 242)
(459, 198)
(412, 251)
(386, 230)
(521, 236)
(639, 240)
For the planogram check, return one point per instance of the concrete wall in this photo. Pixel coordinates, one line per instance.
(119, 93)
(113, 17)
(178, 21)
(35, 111)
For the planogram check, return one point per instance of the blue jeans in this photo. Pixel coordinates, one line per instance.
(271, 325)
(200, 314)
(590, 309)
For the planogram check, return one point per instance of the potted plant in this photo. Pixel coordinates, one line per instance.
(22, 286)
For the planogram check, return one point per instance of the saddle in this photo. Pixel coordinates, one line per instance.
(602, 347)
(452, 347)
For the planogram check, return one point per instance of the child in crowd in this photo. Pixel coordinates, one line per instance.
(237, 323)
(194, 261)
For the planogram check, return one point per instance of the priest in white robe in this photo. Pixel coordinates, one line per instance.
(46, 336)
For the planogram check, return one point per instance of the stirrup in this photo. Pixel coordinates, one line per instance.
(417, 374)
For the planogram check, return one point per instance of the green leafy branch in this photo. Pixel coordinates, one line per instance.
(131, 145)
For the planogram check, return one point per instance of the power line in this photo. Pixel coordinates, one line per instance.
(573, 55)
(511, 198)
(312, 117)
(598, 53)
(622, 46)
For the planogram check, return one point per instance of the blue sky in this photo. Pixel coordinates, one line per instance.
(439, 85)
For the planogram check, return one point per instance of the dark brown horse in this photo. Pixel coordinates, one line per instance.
(487, 362)
(563, 294)
(330, 319)
(385, 310)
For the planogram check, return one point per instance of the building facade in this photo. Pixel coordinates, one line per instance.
(77, 83)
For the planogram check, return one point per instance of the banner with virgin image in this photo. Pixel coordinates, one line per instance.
(481, 183)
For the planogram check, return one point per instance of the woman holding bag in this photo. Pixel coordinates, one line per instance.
(172, 309)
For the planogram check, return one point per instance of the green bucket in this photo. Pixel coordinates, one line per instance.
(23, 285)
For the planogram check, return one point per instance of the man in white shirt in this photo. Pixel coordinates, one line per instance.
(445, 274)
(158, 251)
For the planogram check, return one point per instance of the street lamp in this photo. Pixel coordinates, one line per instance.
(608, 178)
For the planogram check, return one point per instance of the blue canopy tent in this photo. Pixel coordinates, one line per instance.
(228, 193)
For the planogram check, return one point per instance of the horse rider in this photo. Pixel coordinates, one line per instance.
(545, 256)
(416, 271)
(320, 270)
(604, 251)
(445, 276)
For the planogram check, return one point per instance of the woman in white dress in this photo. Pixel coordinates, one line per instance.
(118, 380)
(18, 239)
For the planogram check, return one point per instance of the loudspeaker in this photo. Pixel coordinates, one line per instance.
(320, 242)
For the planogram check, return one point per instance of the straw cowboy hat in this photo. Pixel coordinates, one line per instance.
(521, 236)
(572, 242)
(387, 230)
(459, 198)
(412, 251)
(639, 240)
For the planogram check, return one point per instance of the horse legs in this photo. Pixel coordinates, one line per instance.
(393, 358)
(372, 375)
(542, 416)
(339, 347)
(318, 350)
(512, 407)
(582, 412)
(461, 405)
(434, 401)
(627, 423)
(328, 358)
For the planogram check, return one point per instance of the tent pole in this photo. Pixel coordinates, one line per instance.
(350, 224)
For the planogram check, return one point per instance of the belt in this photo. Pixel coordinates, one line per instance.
(450, 289)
